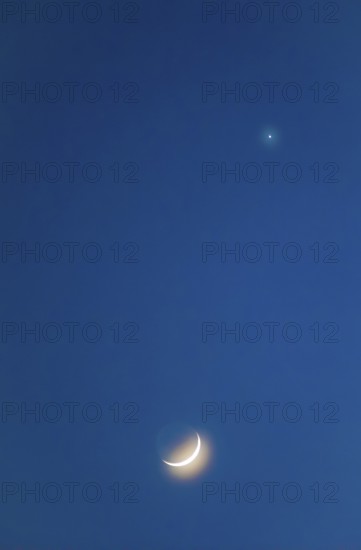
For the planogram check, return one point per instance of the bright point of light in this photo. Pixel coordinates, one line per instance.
(269, 136)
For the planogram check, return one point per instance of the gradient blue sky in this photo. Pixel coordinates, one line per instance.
(168, 212)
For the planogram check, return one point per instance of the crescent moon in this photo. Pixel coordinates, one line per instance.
(187, 460)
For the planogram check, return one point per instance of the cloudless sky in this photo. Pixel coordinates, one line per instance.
(148, 154)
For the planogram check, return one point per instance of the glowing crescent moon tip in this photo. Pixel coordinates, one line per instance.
(188, 460)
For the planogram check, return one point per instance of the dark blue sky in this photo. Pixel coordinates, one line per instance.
(114, 173)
